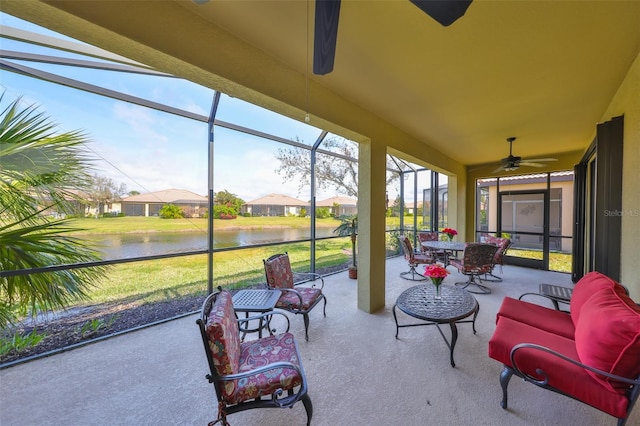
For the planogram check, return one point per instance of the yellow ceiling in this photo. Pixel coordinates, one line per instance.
(543, 71)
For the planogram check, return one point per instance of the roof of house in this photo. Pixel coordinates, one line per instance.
(343, 201)
(166, 196)
(277, 200)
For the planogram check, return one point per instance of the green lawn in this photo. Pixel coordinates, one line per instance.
(165, 279)
(560, 262)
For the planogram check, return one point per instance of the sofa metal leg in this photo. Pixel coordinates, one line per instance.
(505, 376)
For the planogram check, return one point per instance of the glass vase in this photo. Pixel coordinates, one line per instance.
(437, 283)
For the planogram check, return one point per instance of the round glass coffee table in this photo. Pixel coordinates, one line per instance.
(455, 305)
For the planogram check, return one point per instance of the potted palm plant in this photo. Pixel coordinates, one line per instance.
(349, 228)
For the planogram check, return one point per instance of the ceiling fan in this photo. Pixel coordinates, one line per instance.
(512, 162)
(445, 12)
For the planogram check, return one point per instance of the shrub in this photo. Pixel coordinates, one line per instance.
(112, 214)
(322, 212)
(170, 211)
(221, 211)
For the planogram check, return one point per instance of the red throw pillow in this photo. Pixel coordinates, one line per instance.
(608, 336)
(586, 287)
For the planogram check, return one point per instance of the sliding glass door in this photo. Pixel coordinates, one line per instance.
(535, 212)
(524, 218)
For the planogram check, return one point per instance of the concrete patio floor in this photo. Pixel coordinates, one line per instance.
(358, 372)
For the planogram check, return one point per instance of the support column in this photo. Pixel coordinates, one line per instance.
(371, 226)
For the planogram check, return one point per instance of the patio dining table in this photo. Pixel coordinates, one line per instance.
(448, 247)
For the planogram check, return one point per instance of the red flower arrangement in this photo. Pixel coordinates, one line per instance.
(450, 233)
(437, 273)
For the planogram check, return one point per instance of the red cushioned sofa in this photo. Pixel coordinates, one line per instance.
(591, 354)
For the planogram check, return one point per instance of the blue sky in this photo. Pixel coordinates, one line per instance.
(148, 150)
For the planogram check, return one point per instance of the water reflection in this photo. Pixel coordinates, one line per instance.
(122, 246)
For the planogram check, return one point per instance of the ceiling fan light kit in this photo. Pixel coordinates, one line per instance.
(512, 162)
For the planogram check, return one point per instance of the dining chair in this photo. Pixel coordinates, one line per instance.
(503, 245)
(414, 259)
(477, 259)
(294, 298)
(261, 373)
(425, 236)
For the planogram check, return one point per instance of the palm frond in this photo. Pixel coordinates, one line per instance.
(40, 170)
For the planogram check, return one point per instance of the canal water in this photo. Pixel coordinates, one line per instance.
(123, 246)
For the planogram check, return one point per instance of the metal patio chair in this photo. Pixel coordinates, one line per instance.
(261, 373)
(477, 259)
(414, 259)
(424, 236)
(503, 245)
(295, 298)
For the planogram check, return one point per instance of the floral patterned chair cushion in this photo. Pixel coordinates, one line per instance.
(258, 353)
(426, 236)
(278, 272)
(476, 260)
(295, 299)
(503, 245)
(414, 259)
(224, 335)
(289, 300)
(230, 356)
(280, 276)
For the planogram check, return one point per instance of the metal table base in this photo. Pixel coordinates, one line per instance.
(456, 305)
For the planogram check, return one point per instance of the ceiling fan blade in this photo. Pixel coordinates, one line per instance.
(539, 159)
(325, 35)
(446, 12)
(498, 169)
(527, 163)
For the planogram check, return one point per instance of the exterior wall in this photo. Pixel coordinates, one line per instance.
(343, 210)
(271, 210)
(265, 210)
(627, 102)
(153, 209)
(133, 209)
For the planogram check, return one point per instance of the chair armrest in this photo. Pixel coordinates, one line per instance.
(545, 380)
(305, 277)
(273, 366)
(264, 368)
(298, 295)
(553, 300)
(262, 316)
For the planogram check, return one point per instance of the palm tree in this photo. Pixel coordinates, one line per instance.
(41, 173)
(349, 228)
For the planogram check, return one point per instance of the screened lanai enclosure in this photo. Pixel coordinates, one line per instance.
(156, 141)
